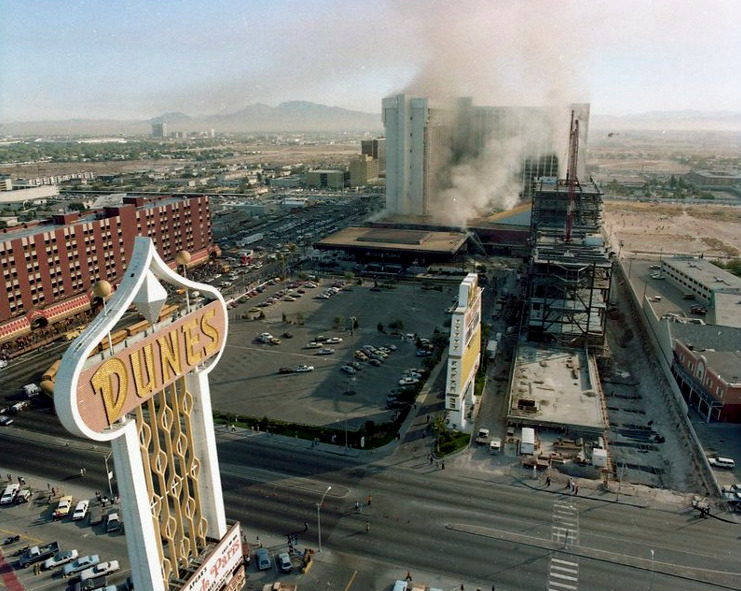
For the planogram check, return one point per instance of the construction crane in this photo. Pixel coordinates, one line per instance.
(571, 179)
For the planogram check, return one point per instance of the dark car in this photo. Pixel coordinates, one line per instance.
(699, 310)
(285, 370)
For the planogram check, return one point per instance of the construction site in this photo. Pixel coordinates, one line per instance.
(554, 383)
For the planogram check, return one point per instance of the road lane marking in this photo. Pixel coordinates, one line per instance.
(351, 581)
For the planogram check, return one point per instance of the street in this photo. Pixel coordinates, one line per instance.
(447, 527)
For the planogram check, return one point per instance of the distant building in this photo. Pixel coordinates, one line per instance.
(18, 197)
(376, 149)
(426, 140)
(699, 278)
(159, 130)
(332, 179)
(287, 182)
(713, 179)
(6, 183)
(707, 366)
(294, 203)
(464, 355)
(50, 267)
(363, 170)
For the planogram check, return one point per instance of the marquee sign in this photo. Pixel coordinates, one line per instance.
(149, 397)
(133, 375)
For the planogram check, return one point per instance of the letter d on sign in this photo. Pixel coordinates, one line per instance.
(111, 381)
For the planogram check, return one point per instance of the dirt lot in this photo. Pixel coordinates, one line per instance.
(653, 228)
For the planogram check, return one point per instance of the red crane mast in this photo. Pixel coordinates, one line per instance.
(571, 179)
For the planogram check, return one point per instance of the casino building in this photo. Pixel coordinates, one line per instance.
(49, 267)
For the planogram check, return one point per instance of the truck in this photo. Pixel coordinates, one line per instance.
(31, 390)
(38, 553)
(482, 436)
(527, 443)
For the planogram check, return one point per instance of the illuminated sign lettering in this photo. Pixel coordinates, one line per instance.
(122, 382)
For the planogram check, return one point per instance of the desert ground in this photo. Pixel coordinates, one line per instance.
(668, 228)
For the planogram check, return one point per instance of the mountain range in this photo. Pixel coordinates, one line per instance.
(303, 116)
(292, 116)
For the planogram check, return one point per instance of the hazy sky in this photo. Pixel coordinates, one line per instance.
(137, 59)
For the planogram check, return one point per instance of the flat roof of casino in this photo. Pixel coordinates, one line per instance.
(396, 239)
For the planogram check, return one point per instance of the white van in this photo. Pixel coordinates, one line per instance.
(726, 463)
(9, 494)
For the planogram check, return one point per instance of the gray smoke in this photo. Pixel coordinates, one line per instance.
(502, 53)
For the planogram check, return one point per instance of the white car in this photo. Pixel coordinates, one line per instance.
(313, 345)
(284, 562)
(80, 510)
(99, 570)
(304, 368)
(408, 381)
(60, 559)
(325, 351)
(334, 341)
(348, 369)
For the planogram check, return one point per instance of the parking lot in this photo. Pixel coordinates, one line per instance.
(247, 379)
(33, 522)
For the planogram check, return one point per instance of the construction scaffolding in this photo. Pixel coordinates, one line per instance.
(570, 271)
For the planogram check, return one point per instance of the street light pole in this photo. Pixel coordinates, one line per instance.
(319, 518)
(108, 473)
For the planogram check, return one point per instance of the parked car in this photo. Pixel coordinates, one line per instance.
(375, 362)
(80, 564)
(63, 508)
(348, 369)
(334, 341)
(5, 421)
(60, 559)
(284, 562)
(285, 370)
(313, 345)
(304, 368)
(325, 351)
(112, 522)
(99, 570)
(23, 496)
(80, 510)
(263, 559)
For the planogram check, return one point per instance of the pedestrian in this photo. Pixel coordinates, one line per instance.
(428, 419)
(367, 526)
(408, 577)
(306, 526)
(357, 505)
(462, 587)
(443, 465)
(548, 481)
(259, 543)
(576, 489)
(431, 460)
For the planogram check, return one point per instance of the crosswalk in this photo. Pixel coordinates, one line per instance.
(563, 570)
